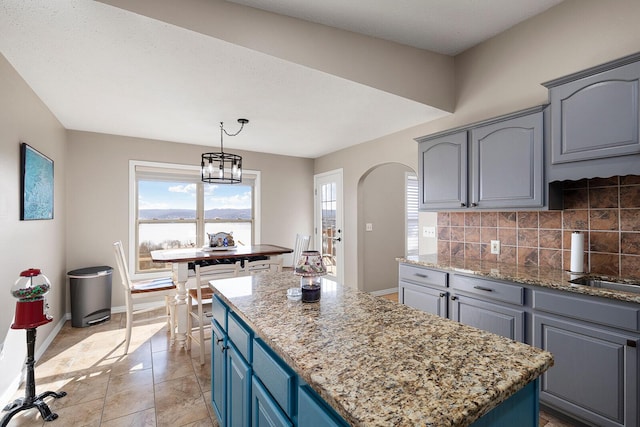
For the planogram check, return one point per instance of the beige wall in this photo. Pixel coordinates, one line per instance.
(499, 76)
(26, 244)
(98, 194)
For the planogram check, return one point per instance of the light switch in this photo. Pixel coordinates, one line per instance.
(369, 227)
(495, 246)
(428, 231)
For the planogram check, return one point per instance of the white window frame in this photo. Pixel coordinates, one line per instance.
(133, 203)
(407, 223)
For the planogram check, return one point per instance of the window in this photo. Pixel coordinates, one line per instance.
(412, 214)
(171, 208)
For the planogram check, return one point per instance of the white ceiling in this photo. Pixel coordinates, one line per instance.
(102, 69)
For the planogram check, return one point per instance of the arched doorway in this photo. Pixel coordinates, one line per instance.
(381, 226)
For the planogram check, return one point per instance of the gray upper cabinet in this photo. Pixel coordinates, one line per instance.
(595, 119)
(442, 167)
(504, 168)
(507, 167)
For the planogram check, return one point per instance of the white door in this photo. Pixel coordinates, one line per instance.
(329, 233)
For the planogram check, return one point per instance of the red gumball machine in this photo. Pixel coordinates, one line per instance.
(31, 311)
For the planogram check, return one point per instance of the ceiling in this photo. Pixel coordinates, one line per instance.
(100, 68)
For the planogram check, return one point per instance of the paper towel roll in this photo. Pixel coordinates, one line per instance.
(577, 252)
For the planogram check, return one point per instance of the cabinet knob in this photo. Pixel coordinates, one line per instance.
(442, 295)
(474, 204)
(453, 298)
(219, 340)
(462, 205)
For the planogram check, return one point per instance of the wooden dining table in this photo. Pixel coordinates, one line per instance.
(180, 259)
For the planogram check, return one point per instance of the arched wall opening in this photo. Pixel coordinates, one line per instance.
(381, 203)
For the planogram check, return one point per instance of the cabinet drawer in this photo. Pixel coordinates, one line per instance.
(512, 294)
(423, 275)
(591, 310)
(219, 312)
(240, 335)
(278, 378)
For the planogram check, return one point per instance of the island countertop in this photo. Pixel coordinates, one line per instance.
(380, 363)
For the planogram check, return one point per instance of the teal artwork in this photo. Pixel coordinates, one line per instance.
(37, 184)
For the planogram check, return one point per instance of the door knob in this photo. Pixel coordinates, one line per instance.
(337, 239)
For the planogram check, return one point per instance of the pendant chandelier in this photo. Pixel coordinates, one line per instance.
(221, 167)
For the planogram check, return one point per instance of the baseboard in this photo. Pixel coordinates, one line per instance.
(18, 380)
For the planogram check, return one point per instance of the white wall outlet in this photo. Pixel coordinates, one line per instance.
(428, 231)
(368, 227)
(495, 246)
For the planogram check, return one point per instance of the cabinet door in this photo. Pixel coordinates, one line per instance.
(507, 163)
(596, 116)
(423, 298)
(314, 412)
(443, 172)
(218, 373)
(265, 410)
(238, 389)
(595, 372)
(500, 320)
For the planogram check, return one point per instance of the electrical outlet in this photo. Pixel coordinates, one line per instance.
(428, 232)
(495, 247)
(368, 227)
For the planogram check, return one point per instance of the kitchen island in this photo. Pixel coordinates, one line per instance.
(376, 362)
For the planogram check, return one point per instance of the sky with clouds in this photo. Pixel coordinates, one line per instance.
(171, 195)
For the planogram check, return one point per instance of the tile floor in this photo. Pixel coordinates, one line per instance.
(154, 385)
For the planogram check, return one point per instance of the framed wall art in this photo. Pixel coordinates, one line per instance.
(36, 184)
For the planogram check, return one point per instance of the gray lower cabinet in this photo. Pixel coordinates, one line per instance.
(595, 372)
(425, 298)
(594, 342)
(424, 289)
(489, 305)
(595, 119)
(488, 316)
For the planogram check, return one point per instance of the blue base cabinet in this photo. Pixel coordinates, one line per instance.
(314, 412)
(252, 386)
(218, 372)
(266, 412)
(520, 410)
(238, 389)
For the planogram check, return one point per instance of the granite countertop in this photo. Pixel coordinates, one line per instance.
(535, 276)
(380, 363)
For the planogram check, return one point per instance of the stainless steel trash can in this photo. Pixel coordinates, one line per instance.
(90, 295)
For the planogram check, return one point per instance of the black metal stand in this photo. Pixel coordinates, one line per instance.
(30, 399)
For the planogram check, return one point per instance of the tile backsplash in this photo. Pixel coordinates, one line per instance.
(606, 210)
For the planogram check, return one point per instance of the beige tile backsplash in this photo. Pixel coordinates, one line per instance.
(607, 210)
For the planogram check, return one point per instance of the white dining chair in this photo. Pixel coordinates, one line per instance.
(261, 266)
(202, 294)
(138, 289)
(302, 244)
